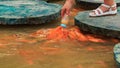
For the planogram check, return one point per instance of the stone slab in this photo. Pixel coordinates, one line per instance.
(23, 0)
(117, 54)
(96, 1)
(106, 25)
(28, 12)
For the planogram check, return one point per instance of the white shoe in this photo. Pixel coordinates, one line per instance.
(99, 12)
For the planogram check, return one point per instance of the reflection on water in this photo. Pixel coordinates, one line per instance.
(57, 54)
(19, 49)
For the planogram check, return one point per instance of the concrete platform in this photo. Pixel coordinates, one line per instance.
(96, 1)
(28, 12)
(106, 26)
(23, 0)
(117, 54)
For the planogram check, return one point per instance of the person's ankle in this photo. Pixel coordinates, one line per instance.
(71, 2)
(110, 4)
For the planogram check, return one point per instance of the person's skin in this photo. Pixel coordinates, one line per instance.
(67, 7)
(69, 3)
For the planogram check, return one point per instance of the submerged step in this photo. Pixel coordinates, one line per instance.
(117, 54)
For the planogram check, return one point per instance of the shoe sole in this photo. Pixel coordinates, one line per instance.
(104, 15)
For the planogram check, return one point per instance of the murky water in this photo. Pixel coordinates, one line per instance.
(19, 50)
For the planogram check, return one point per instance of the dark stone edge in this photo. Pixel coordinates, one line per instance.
(97, 30)
(34, 20)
